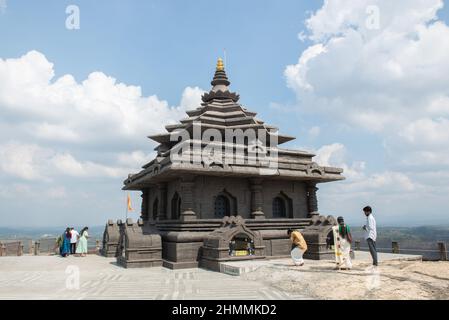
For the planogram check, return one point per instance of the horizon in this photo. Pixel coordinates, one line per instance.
(77, 104)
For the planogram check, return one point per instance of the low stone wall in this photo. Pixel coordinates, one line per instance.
(111, 238)
(11, 248)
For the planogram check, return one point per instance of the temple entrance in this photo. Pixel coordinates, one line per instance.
(241, 245)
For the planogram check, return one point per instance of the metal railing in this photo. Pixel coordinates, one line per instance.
(43, 246)
(441, 253)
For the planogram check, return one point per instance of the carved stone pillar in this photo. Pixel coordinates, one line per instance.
(187, 199)
(162, 210)
(144, 208)
(256, 199)
(312, 201)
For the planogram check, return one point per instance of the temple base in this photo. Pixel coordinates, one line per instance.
(205, 243)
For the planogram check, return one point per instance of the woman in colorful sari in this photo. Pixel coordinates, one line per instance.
(65, 245)
(81, 248)
(342, 241)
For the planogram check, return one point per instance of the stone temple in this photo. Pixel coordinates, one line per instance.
(221, 201)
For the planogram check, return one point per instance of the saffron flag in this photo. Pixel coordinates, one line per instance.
(129, 208)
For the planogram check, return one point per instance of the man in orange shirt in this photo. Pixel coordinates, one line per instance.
(299, 246)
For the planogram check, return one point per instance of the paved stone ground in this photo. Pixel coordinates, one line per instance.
(52, 277)
(45, 277)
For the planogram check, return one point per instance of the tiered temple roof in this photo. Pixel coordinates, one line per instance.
(220, 110)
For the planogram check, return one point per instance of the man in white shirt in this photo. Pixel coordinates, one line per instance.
(73, 240)
(371, 233)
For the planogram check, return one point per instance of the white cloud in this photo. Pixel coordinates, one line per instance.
(97, 113)
(314, 131)
(97, 110)
(32, 162)
(358, 180)
(335, 155)
(135, 159)
(390, 82)
(427, 132)
(191, 98)
(23, 161)
(376, 79)
(73, 142)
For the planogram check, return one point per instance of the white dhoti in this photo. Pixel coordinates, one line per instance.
(297, 254)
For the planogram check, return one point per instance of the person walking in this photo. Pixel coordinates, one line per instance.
(342, 243)
(299, 246)
(81, 248)
(73, 240)
(371, 233)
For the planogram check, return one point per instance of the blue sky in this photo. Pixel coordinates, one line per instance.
(164, 47)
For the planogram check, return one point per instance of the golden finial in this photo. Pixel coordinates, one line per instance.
(220, 65)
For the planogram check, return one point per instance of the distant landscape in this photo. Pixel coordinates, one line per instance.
(424, 239)
(413, 240)
(95, 232)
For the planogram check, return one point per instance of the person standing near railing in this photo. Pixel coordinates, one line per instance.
(73, 240)
(371, 233)
(81, 248)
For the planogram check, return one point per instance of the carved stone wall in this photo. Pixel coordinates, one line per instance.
(111, 238)
(316, 235)
(140, 245)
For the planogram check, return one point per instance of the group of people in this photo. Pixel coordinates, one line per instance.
(72, 242)
(341, 241)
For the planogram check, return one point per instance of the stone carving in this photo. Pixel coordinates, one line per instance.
(139, 246)
(233, 241)
(111, 237)
(316, 237)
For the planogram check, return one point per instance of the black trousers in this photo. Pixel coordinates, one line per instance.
(72, 248)
(372, 250)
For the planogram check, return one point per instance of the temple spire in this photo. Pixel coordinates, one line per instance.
(220, 85)
(220, 65)
(220, 79)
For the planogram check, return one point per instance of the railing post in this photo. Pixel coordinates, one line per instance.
(2, 249)
(443, 251)
(357, 245)
(31, 247)
(20, 249)
(36, 248)
(395, 247)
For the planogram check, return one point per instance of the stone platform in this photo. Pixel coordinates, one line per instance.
(52, 277)
(49, 277)
(241, 267)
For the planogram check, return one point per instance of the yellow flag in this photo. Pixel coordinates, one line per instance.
(129, 204)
